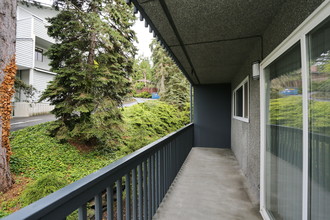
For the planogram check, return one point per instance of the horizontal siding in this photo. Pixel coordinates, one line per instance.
(24, 28)
(24, 52)
(40, 30)
(44, 12)
(23, 14)
(41, 80)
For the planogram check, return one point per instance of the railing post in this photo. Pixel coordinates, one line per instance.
(98, 206)
(140, 191)
(119, 199)
(128, 196)
(134, 196)
(153, 191)
(149, 189)
(110, 202)
(145, 190)
(82, 212)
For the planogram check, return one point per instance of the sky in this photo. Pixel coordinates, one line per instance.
(144, 38)
(143, 35)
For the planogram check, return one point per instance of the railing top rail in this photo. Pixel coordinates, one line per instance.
(45, 205)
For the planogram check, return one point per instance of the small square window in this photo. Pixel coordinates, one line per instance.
(241, 101)
(39, 54)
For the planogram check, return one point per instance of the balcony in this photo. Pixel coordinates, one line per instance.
(162, 183)
(33, 26)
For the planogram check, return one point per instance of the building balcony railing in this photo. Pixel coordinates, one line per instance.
(131, 187)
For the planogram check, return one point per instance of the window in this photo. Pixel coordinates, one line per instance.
(295, 125)
(241, 101)
(39, 54)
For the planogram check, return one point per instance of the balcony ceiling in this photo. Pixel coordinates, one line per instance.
(211, 38)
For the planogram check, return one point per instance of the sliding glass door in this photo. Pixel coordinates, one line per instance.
(296, 125)
(319, 121)
(284, 136)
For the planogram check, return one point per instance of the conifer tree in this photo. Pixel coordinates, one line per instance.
(172, 85)
(93, 59)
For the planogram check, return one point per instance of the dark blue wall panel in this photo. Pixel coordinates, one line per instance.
(212, 115)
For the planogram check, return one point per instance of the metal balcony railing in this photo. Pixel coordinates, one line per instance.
(130, 188)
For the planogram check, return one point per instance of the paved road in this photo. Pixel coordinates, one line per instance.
(137, 100)
(19, 123)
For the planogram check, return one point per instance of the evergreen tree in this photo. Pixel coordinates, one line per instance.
(142, 76)
(172, 85)
(93, 60)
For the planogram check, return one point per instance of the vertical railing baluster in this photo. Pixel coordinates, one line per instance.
(161, 175)
(119, 199)
(128, 196)
(153, 184)
(149, 188)
(134, 186)
(166, 167)
(157, 179)
(171, 164)
(145, 190)
(98, 206)
(110, 202)
(140, 192)
(82, 212)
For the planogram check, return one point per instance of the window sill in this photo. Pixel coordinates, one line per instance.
(241, 119)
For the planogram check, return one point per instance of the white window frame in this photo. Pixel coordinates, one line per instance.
(298, 35)
(242, 84)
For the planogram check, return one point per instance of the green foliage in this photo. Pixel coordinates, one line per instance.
(28, 90)
(288, 112)
(52, 164)
(42, 187)
(146, 95)
(36, 153)
(149, 121)
(93, 62)
(172, 85)
(142, 69)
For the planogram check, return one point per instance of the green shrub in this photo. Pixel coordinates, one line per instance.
(36, 153)
(149, 121)
(145, 95)
(43, 186)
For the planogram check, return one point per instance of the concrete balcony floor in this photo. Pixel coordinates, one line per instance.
(209, 186)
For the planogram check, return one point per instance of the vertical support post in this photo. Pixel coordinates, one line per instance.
(110, 202)
(119, 199)
(82, 212)
(134, 196)
(153, 191)
(145, 190)
(128, 196)
(98, 206)
(149, 189)
(140, 192)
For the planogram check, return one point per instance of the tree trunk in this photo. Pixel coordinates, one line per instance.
(7, 78)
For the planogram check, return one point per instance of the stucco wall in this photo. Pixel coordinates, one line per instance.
(245, 137)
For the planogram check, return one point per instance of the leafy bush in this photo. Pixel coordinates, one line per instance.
(149, 121)
(43, 186)
(145, 95)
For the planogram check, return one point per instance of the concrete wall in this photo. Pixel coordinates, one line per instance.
(212, 116)
(245, 137)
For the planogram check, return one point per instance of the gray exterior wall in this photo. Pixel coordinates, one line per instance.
(212, 116)
(245, 137)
